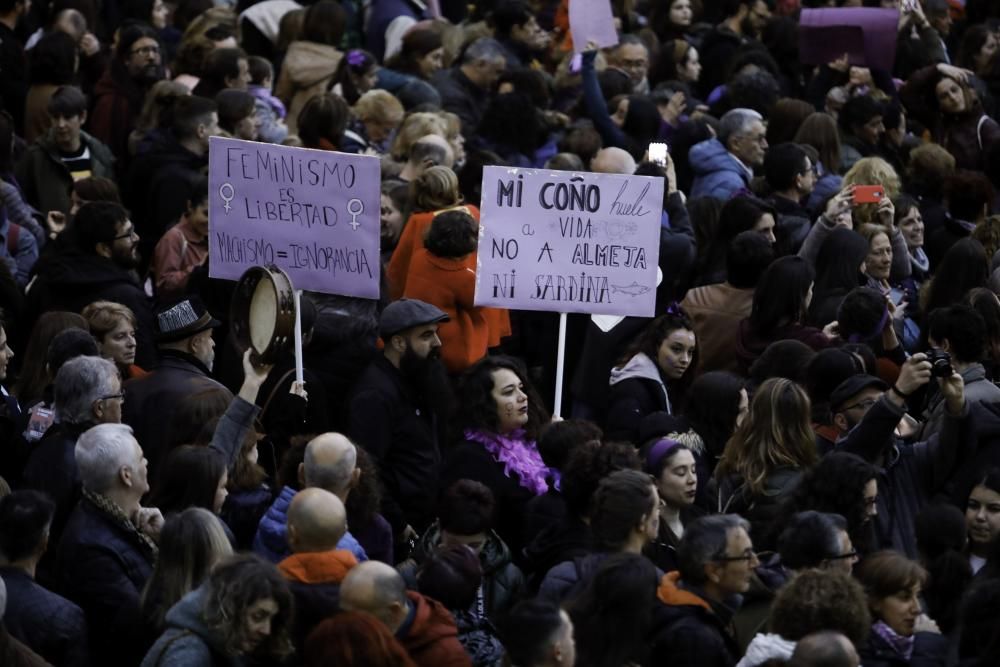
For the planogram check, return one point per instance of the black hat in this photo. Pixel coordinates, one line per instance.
(853, 386)
(408, 313)
(183, 319)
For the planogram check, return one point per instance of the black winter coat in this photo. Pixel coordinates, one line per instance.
(51, 469)
(385, 419)
(929, 650)
(689, 632)
(104, 568)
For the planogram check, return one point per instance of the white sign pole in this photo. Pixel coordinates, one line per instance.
(298, 337)
(560, 362)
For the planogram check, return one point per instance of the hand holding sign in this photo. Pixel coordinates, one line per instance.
(591, 23)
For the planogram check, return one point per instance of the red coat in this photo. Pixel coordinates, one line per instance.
(432, 639)
(450, 284)
(411, 240)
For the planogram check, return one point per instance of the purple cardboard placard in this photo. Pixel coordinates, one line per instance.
(569, 242)
(315, 214)
(866, 34)
(591, 21)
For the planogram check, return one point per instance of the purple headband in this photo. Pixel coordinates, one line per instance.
(663, 448)
(860, 338)
(356, 58)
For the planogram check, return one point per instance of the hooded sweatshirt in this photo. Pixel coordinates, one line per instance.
(187, 640)
(315, 579)
(717, 172)
(430, 635)
(306, 72)
(637, 389)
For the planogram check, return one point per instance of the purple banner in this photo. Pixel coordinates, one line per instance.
(867, 35)
(569, 242)
(315, 214)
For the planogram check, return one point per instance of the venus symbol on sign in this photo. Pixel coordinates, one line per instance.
(228, 193)
(355, 207)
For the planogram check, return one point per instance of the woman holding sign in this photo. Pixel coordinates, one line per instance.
(653, 375)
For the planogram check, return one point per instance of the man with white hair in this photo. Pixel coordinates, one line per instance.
(87, 392)
(108, 548)
(724, 165)
(613, 161)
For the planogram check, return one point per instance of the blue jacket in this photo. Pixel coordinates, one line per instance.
(48, 624)
(717, 172)
(271, 540)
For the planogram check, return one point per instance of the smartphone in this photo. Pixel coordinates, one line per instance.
(868, 194)
(658, 153)
(576, 63)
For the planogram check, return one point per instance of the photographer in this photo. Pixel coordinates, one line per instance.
(909, 473)
(957, 335)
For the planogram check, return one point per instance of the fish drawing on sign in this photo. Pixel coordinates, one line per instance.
(635, 289)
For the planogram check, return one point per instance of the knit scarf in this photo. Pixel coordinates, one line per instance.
(517, 455)
(118, 516)
(903, 646)
(919, 260)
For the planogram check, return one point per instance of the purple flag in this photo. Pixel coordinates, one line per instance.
(315, 214)
(867, 35)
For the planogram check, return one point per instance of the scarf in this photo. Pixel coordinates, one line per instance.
(117, 515)
(903, 646)
(516, 455)
(919, 260)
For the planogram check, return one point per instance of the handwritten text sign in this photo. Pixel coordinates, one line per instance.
(315, 214)
(592, 21)
(569, 242)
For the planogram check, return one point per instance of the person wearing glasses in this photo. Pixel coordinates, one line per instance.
(97, 264)
(725, 165)
(118, 95)
(693, 622)
(792, 175)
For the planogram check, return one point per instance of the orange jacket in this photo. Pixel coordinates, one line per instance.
(450, 284)
(411, 240)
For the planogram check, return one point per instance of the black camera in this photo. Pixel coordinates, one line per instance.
(940, 363)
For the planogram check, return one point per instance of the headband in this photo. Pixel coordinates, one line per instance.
(663, 448)
(860, 338)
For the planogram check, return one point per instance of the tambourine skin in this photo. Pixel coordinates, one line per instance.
(262, 313)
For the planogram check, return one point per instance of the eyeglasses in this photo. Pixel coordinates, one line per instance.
(864, 405)
(757, 139)
(749, 556)
(129, 233)
(145, 51)
(852, 555)
(120, 396)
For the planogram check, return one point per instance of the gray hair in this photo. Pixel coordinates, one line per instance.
(335, 477)
(705, 540)
(79, 383)
(484, 48)
(101, 452)
(736, 122)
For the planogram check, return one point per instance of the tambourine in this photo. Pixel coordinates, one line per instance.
(263, 314)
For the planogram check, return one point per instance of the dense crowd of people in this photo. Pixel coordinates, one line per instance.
(794, 462)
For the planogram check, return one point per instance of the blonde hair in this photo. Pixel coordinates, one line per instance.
(775, 434)
(872, 171)
(379, 106)
(103, 316)
(870, 230)
(435, 189)
(416, 126)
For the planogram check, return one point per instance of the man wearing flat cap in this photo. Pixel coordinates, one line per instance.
(184, 340)
(397, 408)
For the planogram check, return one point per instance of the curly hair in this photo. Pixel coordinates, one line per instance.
(872, 171)
(776, 433)
(835, 485)
(233, 587)
(466, 508)
(821, 600)
(452, 235)
(590, 463)
(478, 408)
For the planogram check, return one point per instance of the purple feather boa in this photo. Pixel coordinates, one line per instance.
(516, 454)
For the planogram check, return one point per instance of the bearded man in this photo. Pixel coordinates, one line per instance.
(397, 411)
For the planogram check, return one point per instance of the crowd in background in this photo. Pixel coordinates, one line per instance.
(795, 461)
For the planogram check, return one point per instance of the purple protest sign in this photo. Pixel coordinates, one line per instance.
(866, 34)
(315, 214)
(569, 242)
(591, 21)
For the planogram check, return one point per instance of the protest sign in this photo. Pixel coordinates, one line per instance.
(866, 34)
(569, 242)
(314, 214)
(591, 21)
